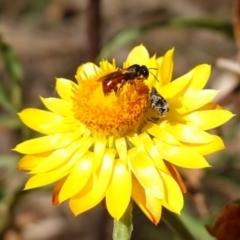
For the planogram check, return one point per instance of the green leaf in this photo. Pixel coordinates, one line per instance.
(14, 69)
(176, 224)
(12, 63)
(5, 101)
(196, 226)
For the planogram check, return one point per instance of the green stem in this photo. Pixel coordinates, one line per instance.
(176, 224)
(122, 229)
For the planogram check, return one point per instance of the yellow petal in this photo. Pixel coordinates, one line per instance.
(208, 119)
(99, 150)
(153, 151)
(196, 99)
(166, 68)
(200, 77)
(28, 162)
(136, 141)
(58, 106)
(86, 71)
(106, 169)
(177, 87)
(87, 198)
(173, 193)
(57, 188)
(121, 147)
(159, 62)
(110, 142)
(47, 143)
(138, 55)
(53, 160)
(181, 156)
(45, 122)
(210, 106)
(146, 173)
(77, 178)
(60, 156)
(95, 189)
(175, 174)
(118, 194)
(159, 133)
(150, 205)
(153, 67)
(205, 149)
(42, 179)
(187, 134)
(64, 88)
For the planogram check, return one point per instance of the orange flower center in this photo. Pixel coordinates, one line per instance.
(114, 114)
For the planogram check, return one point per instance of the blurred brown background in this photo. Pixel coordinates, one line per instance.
(52, 38)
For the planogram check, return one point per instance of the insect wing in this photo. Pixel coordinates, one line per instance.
(112, 76)
(111, 81)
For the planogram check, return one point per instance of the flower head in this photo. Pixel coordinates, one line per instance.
(114, 145)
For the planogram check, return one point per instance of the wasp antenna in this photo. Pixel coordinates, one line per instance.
(154, 68)
(153, 74)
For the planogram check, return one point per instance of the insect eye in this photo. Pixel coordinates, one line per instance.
(145, 72)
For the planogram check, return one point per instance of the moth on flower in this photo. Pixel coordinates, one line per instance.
(123, 145)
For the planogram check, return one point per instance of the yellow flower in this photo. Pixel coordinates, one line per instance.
(115, 146)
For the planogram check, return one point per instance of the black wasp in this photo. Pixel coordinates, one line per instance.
(116, 80)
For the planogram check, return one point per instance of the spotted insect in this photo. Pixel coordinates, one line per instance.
(158, 102)
(115, 81)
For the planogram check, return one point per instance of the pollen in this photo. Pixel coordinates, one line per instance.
(114, 114)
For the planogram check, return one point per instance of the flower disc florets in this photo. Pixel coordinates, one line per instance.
(114, 114)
